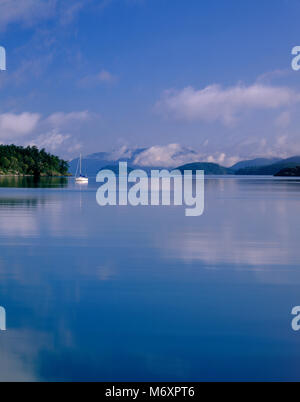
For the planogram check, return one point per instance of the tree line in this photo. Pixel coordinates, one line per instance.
(30, 161)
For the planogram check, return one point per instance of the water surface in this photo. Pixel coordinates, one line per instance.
(145, 293)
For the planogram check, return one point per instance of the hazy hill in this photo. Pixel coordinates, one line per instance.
(115, 169)
(272, 169)
(91, 164)
(258, 162)
(209, 168)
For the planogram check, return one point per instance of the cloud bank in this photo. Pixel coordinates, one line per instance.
(215, 103)
(56, 132)
(15, 125)
(174, 155)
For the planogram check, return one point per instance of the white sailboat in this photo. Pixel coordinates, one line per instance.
(81, 178)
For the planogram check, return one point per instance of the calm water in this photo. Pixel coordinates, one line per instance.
(144, 293)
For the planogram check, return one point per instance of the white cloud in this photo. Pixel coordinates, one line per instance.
(50, 141)
(165, 156)
(222, 159)
(71, 11)
(60, 132)
(27, 70)
(16, 125)
(25, 11)
(174, 155)
(103, 77)
(122, 152)
(215, 103)
(62, 119)
(50, 137)
(283, 120)
(29, 12)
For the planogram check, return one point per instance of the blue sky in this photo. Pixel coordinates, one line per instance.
(97, 75)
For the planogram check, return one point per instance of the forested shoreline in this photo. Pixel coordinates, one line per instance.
(30, 161)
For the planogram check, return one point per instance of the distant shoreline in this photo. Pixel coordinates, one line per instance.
(30, 161)
(31, 175)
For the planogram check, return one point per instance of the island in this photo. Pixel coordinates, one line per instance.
(289, 172)
(30, 161)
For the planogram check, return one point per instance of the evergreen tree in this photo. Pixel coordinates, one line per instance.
(30, 161)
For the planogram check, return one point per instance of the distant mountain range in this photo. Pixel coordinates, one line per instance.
(255, 163)
(270, 169)
(259, 166)
(209, 168)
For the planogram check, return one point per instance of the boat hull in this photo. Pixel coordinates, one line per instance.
(82, 180)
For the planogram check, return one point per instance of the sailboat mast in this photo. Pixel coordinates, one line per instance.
(80, 178)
